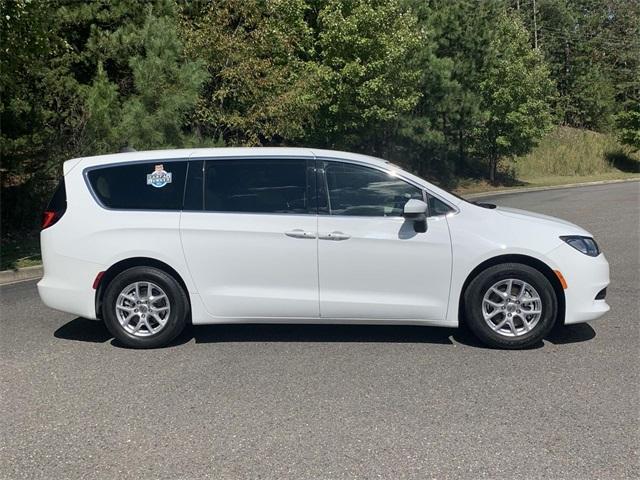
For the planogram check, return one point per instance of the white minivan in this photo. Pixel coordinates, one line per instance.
(149, 241)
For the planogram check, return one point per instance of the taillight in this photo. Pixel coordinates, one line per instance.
(49, 217)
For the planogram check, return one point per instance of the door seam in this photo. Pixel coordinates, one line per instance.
(315, 168)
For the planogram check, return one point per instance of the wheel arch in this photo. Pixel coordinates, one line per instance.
(119, 267)
(516, 258)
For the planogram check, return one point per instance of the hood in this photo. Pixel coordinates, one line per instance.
(568, 227)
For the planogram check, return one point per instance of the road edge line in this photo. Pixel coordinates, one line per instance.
(550, 187)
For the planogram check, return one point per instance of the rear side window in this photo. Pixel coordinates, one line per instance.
(363, 191)
(257, 186)
(140, 186)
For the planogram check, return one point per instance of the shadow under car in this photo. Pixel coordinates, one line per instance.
(83, 330)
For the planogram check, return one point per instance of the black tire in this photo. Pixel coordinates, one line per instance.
(177, 298)
(473, 305)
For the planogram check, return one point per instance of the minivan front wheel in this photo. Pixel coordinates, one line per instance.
(510, 306)
(145, 307)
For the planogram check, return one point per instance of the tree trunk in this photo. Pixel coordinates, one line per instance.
(461, 153)
(493, 169)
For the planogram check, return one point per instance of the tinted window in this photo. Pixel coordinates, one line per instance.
(58, 202)
(258, 186)
(438, 207)
(193, 190)
(140, 186)
(363, 191)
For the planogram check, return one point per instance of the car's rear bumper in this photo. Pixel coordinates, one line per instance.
(69, 300)
(586, 277)
(67, 284)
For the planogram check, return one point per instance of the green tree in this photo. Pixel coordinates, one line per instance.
(101, 131)
(628, 124)
(166, 88)
(456, 40)
(593, 51)
(85, 78)
(163, 91)
(39, 109)
(366, 50)
(262, 85)
(516, 93)
(39, 95)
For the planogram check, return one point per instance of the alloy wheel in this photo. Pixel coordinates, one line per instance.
(512, 307)
(142, 308)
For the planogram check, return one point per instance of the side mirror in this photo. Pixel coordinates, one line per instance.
(416, 210)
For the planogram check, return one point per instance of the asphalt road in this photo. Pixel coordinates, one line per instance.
(312, 402)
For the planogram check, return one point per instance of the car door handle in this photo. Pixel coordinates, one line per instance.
(337, 236)
(299, 233)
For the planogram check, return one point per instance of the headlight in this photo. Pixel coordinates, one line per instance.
(586, 245)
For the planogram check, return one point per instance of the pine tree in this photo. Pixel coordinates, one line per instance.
(593, 50)
(161, 91)
(455, 48)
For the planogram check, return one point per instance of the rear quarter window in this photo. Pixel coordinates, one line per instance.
(155, 185)
(58, 202)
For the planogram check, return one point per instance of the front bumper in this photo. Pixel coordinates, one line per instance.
(586, 277)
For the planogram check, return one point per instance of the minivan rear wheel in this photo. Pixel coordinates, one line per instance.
(510, 306)
(144, 307)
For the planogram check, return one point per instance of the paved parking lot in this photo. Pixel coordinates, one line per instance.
(311, 402)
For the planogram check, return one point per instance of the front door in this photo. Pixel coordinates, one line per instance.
(251, 243)
(372, 264)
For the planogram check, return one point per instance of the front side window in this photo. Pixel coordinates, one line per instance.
(438, 207)
(363, 191)
(256, 186)
(154, 185)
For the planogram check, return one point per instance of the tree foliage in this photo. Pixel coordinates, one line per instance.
(457, 38)
(447, 88)
(628, 123)
(593, 51)
(516, 94)
(365, 50)
(329, 72)
(262, 84)
(486, 93)
(150, 109)
(38, 95)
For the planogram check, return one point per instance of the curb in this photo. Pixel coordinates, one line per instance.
(20, 275)
(551, 187)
